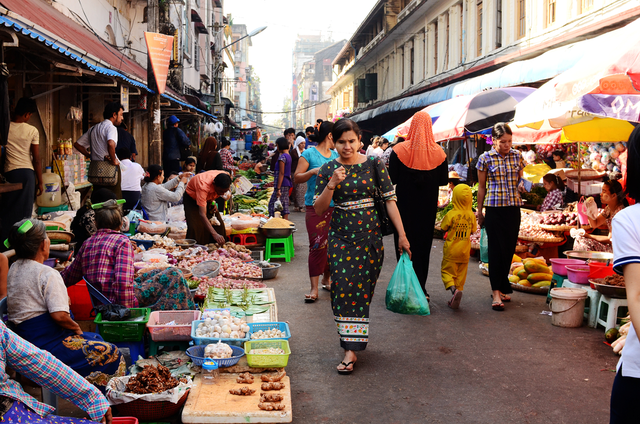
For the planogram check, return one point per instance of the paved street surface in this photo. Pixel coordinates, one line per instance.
(473, 365)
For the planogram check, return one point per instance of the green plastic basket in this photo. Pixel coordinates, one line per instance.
(267, 361)
(124, 331)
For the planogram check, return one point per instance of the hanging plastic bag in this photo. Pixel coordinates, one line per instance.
(484, 246)
(404, 294)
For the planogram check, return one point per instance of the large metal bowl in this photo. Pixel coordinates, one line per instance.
(591, 256)
(611, 291)
(277, 232)
(206, 269)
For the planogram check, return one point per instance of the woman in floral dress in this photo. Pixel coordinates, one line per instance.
(356, 251)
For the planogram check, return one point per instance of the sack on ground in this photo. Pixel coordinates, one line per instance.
(404, 294)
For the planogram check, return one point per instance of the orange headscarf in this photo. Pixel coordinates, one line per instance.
(420, 151)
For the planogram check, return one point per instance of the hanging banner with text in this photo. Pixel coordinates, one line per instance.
(159, 47)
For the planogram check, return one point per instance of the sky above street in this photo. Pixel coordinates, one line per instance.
(271, 53)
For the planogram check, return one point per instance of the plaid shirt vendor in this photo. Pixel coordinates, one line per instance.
(499, 177)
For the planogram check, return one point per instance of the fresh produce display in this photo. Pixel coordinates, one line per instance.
(560, 219)
(246, 300)
(219, 255)
(622, 333)
(228, 246)
(219, 282)
(267, 406)
(218, 350)
(236, 268)
(159, 241)
(612, 280)
(223, 327)
(243, 391)
(272, 333)
(532, 232)
(245, 378)
(151, 380)
(271, 397)
(272, 386)
(278, 223)
(530, 272)
(271, 378)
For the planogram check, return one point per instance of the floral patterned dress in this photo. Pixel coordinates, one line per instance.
(356, 251)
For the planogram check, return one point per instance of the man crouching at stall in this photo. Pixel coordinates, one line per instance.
(201, 191)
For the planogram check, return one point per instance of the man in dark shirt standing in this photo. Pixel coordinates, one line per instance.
(174, 139)
(126, 140)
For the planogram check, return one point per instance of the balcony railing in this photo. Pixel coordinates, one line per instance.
(407, 10)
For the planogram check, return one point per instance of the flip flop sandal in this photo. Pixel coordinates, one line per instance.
(310, 299)
(326, 287)
(454, 303)
(345, 371)
(497, 306)
(505, 297)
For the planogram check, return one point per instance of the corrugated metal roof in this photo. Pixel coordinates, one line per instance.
(60, 23)
(73, 34)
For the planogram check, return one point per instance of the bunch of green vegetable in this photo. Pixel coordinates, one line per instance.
(246, 300)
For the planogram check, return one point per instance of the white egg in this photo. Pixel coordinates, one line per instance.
(224, 335)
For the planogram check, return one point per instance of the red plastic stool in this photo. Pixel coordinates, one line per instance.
(244, 239)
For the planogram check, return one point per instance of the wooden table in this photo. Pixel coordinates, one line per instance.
(214, 404)
(7, 187)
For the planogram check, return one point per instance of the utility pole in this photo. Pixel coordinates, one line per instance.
(153, 103)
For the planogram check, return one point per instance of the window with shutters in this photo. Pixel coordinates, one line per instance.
(435, 47)
(522, 18)
(411, 70)
(550, 12)
(446, 42)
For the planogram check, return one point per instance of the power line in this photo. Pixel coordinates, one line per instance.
(283, 111)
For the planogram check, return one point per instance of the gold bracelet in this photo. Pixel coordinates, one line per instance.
(330, 187)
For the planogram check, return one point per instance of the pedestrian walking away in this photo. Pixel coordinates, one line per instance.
(282, 179)
(459, 223)
(175, 140)
(317, 225)
(418, 167)
(499, 186)
(355, 244)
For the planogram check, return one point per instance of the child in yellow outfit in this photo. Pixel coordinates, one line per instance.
(459, 224)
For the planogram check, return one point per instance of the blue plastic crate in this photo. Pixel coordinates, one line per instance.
(254, 327)
(196, 353)
(207, 340)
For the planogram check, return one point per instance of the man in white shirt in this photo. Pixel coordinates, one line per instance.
(132, 174)
(22, 166)
(99, 143)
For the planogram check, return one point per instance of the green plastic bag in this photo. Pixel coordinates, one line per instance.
(404, 294)
(484, 246)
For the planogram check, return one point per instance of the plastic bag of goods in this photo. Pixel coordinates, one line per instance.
(242, 222)
(404, 294)
(152, 227)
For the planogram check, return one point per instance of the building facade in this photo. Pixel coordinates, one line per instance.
(406, 50)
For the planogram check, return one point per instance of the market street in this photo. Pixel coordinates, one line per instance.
(473, 365)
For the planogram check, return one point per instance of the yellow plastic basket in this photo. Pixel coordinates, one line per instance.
(267, 361)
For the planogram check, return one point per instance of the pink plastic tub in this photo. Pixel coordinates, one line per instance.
(578, 274)
(558, 266)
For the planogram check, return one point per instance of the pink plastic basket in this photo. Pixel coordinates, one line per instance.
(165, 333)
(578, 274)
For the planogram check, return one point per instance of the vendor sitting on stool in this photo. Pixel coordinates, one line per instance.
(38, 306)
(201, 191)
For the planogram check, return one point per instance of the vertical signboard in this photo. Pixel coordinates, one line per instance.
(124, 97)
(159, 47)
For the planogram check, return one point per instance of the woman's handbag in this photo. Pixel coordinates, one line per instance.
(386, 226)
(101, 172)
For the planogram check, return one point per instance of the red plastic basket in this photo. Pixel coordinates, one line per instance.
(80, 301)
(125, 420)
(600, 270)
(149, 411)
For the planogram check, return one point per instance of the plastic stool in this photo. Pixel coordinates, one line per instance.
(567, 283)
(131, 350)
(154, 346)
(591, 306)
(279, 248)
(556, 282)
(244, 239)
(610, 310)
